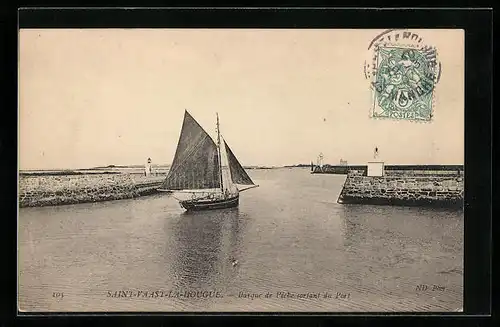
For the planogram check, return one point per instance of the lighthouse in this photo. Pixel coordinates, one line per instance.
(375, 167)
(147, 168)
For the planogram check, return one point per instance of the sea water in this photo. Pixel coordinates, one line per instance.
(287, 247)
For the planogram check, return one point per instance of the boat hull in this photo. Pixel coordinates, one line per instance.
(191, 205)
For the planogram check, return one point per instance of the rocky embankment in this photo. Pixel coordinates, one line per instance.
(438, 190)
(37, 191)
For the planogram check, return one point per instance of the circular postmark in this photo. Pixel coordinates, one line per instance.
(402, 72)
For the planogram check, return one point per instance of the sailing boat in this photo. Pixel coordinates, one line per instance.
(197, 169)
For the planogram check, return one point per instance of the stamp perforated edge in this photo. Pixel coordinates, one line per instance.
(433, 100)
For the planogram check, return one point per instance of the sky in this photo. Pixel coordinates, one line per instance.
(96, 97)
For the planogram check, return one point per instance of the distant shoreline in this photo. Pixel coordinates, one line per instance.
(65, 173)
(105, 170)
(116, 169)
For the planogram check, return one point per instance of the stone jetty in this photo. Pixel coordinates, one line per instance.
(38, 191)
(439, 189)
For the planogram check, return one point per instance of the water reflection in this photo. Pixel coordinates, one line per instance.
(205, 246)
(398, 237)
(369, 223)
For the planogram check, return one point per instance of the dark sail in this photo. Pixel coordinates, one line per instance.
(196, 163)
(238, 174)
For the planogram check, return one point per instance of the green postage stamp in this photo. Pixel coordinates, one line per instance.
(403, 73)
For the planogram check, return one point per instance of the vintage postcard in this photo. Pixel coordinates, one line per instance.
(241, 170)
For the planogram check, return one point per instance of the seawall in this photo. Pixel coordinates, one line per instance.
(38, 191)
(404, 189)
(392, 169)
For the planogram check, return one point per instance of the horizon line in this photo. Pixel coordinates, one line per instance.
(137, 166)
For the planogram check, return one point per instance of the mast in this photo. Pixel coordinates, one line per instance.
(218, 153)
